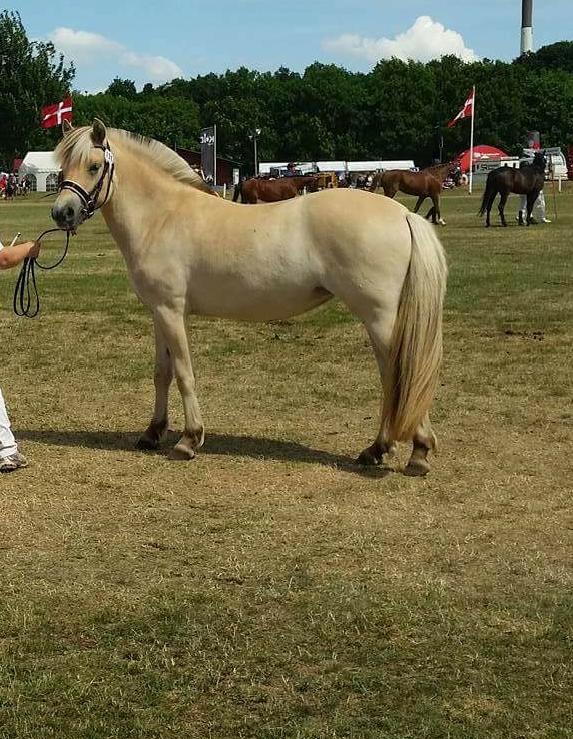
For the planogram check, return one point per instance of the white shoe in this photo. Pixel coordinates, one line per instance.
(545, 220)
(15, 461)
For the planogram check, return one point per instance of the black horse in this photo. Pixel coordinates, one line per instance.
(527, 180)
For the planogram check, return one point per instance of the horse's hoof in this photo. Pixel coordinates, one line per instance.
(417, 468)
(372, 455)
(147, 444)
(368, 459)
(181, 453)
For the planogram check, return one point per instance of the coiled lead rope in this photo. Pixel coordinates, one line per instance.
(26, 298)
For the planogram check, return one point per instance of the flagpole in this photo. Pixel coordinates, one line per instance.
(472, 141)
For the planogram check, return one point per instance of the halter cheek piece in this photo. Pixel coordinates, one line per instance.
(89, 199)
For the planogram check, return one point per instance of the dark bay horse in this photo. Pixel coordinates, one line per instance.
(425, 184)
(271, 191)
(527, 180)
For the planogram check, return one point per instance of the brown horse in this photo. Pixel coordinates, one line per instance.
(271, 191)
(425, 184)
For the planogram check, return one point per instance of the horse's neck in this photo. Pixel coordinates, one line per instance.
(138, 197)
(439, 172)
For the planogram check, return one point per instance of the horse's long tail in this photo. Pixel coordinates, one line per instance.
(488, 195)
(238, 191)
(416, 345)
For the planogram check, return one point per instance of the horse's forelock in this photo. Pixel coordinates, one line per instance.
(74, 147)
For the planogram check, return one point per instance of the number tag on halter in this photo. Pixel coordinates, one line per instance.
(108, 156)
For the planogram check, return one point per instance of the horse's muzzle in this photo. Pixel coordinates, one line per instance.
(68, 213)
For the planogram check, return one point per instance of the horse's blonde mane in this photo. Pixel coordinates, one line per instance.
(77, 144)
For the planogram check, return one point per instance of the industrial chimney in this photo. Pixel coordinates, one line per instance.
(526, 26)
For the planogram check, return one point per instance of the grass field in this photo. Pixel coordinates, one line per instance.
(272, 588)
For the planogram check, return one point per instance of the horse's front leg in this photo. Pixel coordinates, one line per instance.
(531, 198)
(163, 376)
(171, 322)
(437, 216)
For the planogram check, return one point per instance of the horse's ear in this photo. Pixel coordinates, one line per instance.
(98, 132)
(66, 127)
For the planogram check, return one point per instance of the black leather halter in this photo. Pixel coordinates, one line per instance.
(90, 199)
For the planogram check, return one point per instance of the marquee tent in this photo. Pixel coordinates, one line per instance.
(42, 170)
(481, 153)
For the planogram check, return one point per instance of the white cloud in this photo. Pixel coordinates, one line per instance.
(158, 68)
(426, 39)
(86, 48)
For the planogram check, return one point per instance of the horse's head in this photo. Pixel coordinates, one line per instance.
(539, 161)
(87, 169)
(456, 172)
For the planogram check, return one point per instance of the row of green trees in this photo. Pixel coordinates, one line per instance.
(398, 110)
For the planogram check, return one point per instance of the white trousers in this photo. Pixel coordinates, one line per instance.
(7, 441)
(538, 206)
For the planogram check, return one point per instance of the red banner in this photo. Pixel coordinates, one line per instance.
(466, 112)
(53, 115)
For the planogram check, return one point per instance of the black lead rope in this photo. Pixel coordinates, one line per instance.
(26, 297)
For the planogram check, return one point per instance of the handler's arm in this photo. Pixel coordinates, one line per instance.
(13, 255)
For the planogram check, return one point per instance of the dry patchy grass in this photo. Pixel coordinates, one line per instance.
(271, 588)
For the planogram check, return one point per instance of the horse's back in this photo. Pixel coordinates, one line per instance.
(519, 181)
(411, 183)
(279, 259)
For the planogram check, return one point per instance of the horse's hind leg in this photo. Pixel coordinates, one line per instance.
(424, 441)
(419, 203)
(380, 333)
(163, 376)
(501, 207)
(172, 325)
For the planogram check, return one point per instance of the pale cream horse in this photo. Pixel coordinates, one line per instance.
(189, 252)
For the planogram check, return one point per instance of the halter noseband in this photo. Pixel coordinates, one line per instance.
(89, 199)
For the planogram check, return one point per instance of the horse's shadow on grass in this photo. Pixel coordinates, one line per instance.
(254, 447)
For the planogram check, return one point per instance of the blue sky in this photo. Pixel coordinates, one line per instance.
(156, 41)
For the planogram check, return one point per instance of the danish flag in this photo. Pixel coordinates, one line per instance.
(467, 111)
(53, 115)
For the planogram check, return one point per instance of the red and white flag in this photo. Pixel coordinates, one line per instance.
(53, 115)
(467, 111)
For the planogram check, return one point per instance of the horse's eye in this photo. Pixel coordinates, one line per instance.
(94, 168)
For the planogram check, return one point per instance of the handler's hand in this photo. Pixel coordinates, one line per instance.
(34, 249)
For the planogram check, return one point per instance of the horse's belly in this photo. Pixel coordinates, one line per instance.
(247, 304)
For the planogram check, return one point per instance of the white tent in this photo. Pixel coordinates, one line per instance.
(304, 167)
(380, 164)
(340, 166)
(42, 170)
(332, 166)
